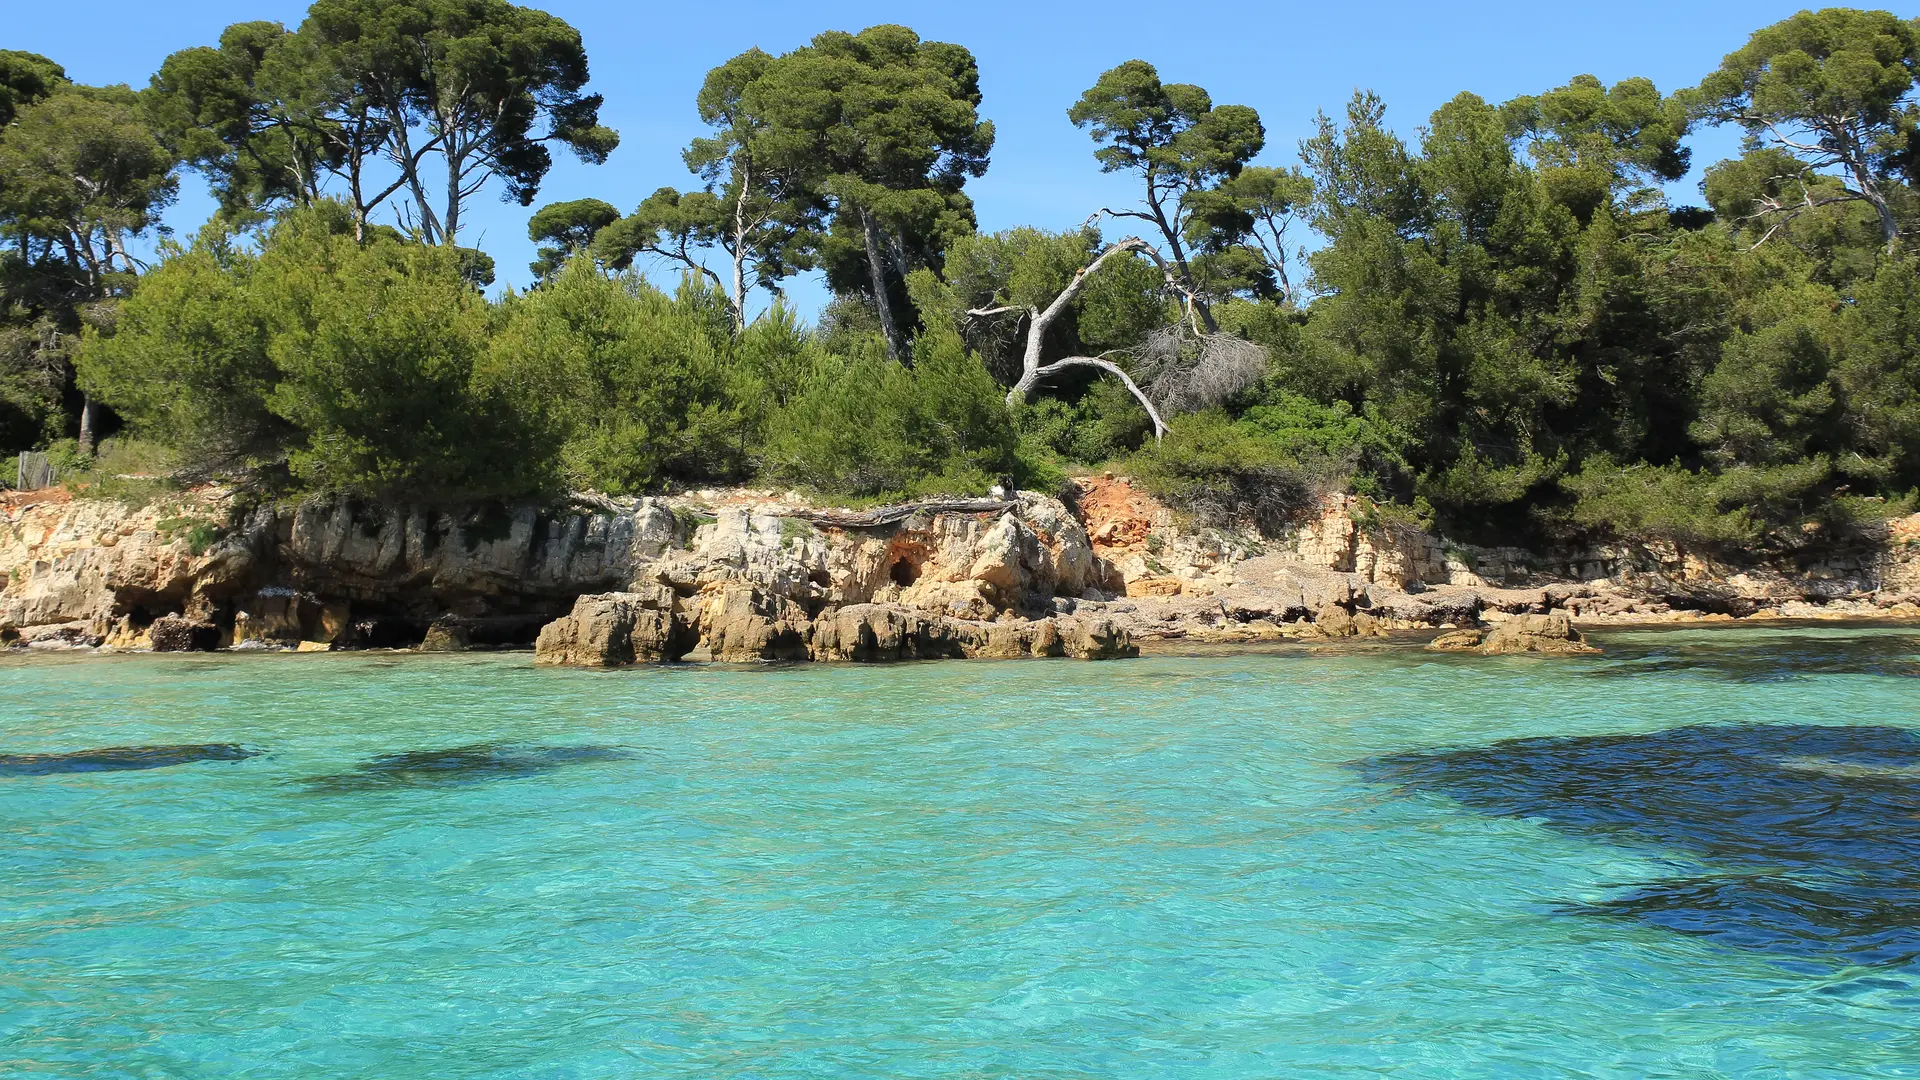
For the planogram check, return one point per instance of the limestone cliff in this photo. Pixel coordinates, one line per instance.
(747, 575)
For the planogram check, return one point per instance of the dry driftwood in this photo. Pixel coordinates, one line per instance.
(893, 515)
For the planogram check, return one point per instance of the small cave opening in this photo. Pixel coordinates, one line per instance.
(903, 572)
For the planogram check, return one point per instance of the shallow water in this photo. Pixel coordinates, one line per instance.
(1694, 856)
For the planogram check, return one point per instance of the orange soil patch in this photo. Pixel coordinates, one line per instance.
(16, 500)
(1118, 517)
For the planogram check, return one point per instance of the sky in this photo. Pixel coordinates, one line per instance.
(1286, 59)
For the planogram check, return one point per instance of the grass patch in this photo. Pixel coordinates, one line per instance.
(689, 521)
(200, 532)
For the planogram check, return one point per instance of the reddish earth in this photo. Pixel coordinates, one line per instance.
(1117, 517)
(15, 500)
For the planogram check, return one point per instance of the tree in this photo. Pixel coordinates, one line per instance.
(1240, 227)
(483, 85)
(883, 129)
(257, 148)
(1040, 319)
(24, 79)
(1591, 141)
(670, 225)
(81, 173)
(1833, 88)
(752, 210)
(567, 228)
(1045, 283)
(1177, 141)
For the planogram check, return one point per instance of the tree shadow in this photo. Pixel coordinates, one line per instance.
(461, 765)
(1813, 832)
(120, 759)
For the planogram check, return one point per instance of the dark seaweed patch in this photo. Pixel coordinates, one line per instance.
(120, 758)
(461, 765)
(1811, 834)
(1893, 655)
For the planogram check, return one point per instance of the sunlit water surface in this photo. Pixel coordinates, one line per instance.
(1694, 856)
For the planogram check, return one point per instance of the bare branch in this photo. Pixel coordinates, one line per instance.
(1111, 368)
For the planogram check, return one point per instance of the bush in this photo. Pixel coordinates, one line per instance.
(638, 389)
(1657, 502)
(862, 425)
(188, 364)
(1103, 423)
(376, 357)
(351, 363)
(1226, 473)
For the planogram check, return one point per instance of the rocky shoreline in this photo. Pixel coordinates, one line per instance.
(740, 576)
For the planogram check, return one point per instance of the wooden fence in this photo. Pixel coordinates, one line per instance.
(34, 472)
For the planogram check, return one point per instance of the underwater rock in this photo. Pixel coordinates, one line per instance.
(121, 758)
(1791, 839)
(461, 765)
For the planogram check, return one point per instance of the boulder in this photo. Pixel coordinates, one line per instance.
(1335, 621)
(876, 633)
(1094, 638)
(613, 629)
(741, 623)
(177, 633)
(1015, 640)
(1550, 633)
(447, 635)
(1458, 641)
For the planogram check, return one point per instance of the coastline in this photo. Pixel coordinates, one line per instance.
(743, 575)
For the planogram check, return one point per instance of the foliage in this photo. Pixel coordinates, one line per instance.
(863, 425)
(567, 228)
(638, 389)
(81, 175)
(1503, 327)
(1226, 473)
(1183, 148)
(1833, 89)
(881, 130)
(471, 91)
(353, 364)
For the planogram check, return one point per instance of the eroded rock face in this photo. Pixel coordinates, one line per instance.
(746, 576)
(740, 622)
(613, 630)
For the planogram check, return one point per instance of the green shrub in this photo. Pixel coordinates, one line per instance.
(188, 361)
(1226, 473)
(1663, 502)
(376, 349)
(352, 363)
(862, 425)
(1101, 424)
(640, 390)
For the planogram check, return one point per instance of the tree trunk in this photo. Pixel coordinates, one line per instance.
(882, 303)
(1172, 237)
(89, 423)
(450, 223)
(1039, 319)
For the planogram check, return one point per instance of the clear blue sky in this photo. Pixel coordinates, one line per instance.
(1286, 59)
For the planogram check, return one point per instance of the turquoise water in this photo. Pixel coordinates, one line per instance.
(1369, 862)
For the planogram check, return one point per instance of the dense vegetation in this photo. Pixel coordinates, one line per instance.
(1504, 326)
